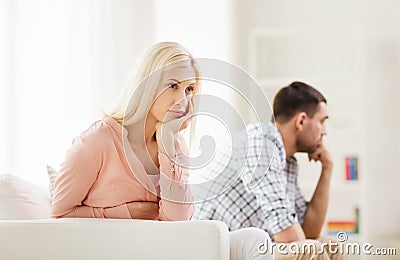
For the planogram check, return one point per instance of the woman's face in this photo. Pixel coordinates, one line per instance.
(176, 89)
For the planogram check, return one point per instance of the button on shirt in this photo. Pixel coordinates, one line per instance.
(265, 193)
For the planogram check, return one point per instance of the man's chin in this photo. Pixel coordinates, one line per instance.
(310, 150)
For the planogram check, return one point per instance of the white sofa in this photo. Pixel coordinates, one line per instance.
(26, 232)
(112, 239)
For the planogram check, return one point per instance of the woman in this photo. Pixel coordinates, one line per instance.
(131, 163)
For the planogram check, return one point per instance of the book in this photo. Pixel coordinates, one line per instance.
(351, 168)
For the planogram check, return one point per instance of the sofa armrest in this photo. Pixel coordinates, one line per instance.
(113, 239)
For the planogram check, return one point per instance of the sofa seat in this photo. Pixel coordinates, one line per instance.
(79, 238)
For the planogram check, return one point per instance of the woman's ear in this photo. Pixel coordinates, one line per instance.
(301, 120)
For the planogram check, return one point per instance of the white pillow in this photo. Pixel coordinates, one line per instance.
(53, 174)
(19, 199)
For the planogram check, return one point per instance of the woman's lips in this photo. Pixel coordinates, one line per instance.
(177, 112)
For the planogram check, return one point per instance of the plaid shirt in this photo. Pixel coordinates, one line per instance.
(263, 193)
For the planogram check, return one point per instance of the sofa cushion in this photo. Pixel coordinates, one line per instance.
(122, 239)
(19, 199)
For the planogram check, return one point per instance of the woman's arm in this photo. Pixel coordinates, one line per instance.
(143, 210)
(77, 175)
(176, 199)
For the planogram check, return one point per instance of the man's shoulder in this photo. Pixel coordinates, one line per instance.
(266, 132)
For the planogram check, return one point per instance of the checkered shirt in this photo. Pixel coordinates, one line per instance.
(258, 191)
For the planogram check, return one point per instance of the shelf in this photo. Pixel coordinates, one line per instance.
(280, 53)
(272, 83)
(345, 186)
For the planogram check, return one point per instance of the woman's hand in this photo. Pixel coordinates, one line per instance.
(166, 132)
(143, 210)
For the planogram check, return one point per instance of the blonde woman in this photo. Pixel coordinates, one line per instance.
(130, 164)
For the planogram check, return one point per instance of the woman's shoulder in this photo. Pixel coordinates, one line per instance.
(102, 132)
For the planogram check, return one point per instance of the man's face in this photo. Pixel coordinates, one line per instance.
(311, 137)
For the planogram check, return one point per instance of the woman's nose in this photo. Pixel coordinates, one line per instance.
(181, 101)
(182, 97)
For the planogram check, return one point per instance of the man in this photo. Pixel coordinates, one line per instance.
(265, 194)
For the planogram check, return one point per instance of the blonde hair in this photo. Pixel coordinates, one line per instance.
(140, 90)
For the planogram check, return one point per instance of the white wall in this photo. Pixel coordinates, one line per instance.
(67, 61)
(382, 121)
(205, 29)
(269, 13)
(5, 71)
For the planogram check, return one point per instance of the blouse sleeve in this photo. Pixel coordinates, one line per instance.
(176, 199)
(77, 175)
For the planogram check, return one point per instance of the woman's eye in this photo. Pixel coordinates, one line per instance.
(173, 85)
(189, 89)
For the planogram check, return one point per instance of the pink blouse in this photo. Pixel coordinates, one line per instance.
(96, 180)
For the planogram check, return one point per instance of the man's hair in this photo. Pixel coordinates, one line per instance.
(295, 98)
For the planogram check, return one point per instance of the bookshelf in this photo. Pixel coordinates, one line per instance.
(327, 58)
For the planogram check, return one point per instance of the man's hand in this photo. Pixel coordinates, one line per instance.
(322, 155)
(143, 210)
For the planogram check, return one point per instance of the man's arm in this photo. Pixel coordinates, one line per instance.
(290, 234)
(314, 217)
(315, 212)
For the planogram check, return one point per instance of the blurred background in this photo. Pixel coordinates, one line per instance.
(63, 61)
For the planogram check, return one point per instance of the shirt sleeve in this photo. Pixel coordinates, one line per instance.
(77, 175)
(265, 177)
(176, 201)
(300, 205)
